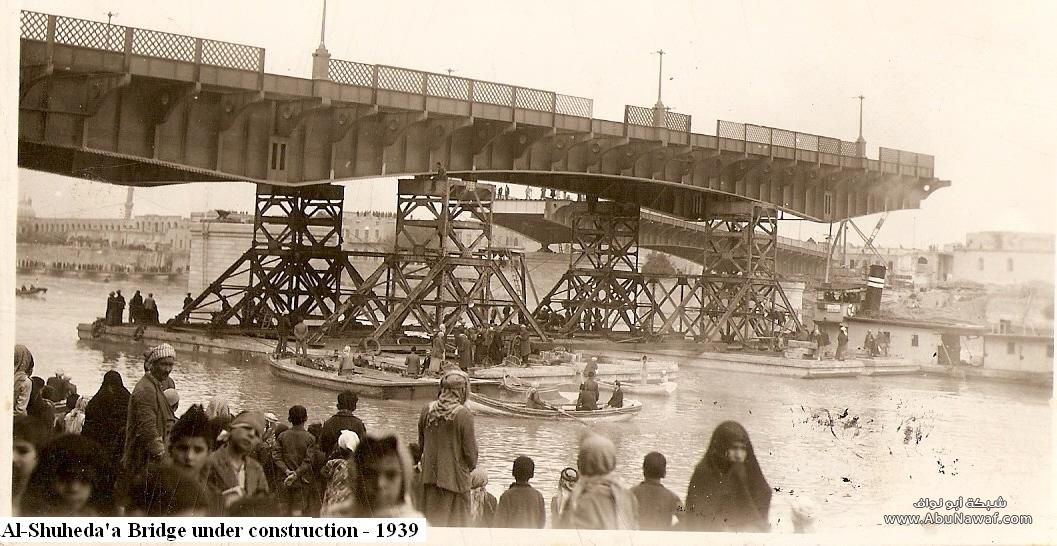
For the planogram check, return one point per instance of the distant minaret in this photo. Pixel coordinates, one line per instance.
(321, 57)
(128, 203)
(860, 143)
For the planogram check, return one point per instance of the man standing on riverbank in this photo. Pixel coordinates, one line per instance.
(842, 342)
(301, 336)
(449, 453)
(149, 413)
(119, 308)
(135, 308)
(344, 419)
(150, 309)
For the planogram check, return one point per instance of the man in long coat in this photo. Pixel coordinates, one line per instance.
(149, 413)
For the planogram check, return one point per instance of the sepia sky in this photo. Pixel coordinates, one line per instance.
(971, 83)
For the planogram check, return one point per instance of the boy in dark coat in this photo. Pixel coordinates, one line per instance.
(521, 506)
(657, 504)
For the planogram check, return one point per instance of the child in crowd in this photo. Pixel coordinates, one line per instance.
(29, 437)
(657, 505)
(482, 503)
(294, 451)
(190, 443)
(231, 471)
(70, 479)
(521, 506)
(166, 491)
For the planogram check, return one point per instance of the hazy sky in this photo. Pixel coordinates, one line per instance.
(969, 82)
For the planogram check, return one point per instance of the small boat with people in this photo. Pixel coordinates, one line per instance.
(563, 410)
(664, 388)
(31, 291)
(519, 386)
(364, 381)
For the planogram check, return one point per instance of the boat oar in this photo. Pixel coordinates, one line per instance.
(563, 412)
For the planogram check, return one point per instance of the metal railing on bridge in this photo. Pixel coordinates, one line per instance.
(638, 115)
(781, 143)
(908, 163)
(445, 86)
(137, 41)
(730, 136)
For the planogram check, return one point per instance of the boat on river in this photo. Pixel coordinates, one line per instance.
(665, 388)
(31, 292)
(564, 410)
(367, 382)
(519, 386)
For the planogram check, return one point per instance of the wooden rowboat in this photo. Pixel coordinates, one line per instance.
(31, 291)
(513, 384)
(666, 388)
(484, 405)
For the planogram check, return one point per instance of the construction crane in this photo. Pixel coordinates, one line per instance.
(877, 228)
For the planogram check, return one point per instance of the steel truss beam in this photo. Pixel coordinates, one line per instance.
(444, 270)
(295, 265)
(738, 298)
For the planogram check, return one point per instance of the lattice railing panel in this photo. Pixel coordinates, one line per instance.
(351, 73)
(729, 129)
(34, 26)
(828, 145)
(677, 122)
(574, 106)
(399, 79)
(163, 44)
(449, 87)
(637, 115)
(229, 55)
(493, 93)
(757, 134)
(784, 138)
(848, 149)
(91, 34)
(534, 99)
(806, 142)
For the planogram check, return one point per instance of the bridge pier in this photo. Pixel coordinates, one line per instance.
(443, 270)
(295, 265)
(736, 298)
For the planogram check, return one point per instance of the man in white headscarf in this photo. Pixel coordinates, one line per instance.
(149, 413)
(449, 453)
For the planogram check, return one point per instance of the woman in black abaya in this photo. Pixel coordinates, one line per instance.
(727, 491)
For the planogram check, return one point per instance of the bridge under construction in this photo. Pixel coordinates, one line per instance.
(141, 107)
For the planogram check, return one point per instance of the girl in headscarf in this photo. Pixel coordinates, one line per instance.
(380, 475)
(566, 482)
(599, 500)
(219, 412)
(727, 491)
(105, 417)
(336, 471)
(23, 385)
(74, 420)
(70, 480)
(482, 503)
(449, 453)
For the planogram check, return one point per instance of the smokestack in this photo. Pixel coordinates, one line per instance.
(875, 284)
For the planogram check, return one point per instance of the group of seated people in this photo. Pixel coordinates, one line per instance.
(587, 399)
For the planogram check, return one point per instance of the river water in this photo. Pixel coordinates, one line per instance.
(974, 439)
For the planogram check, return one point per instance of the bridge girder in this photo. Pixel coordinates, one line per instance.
(229, 131)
